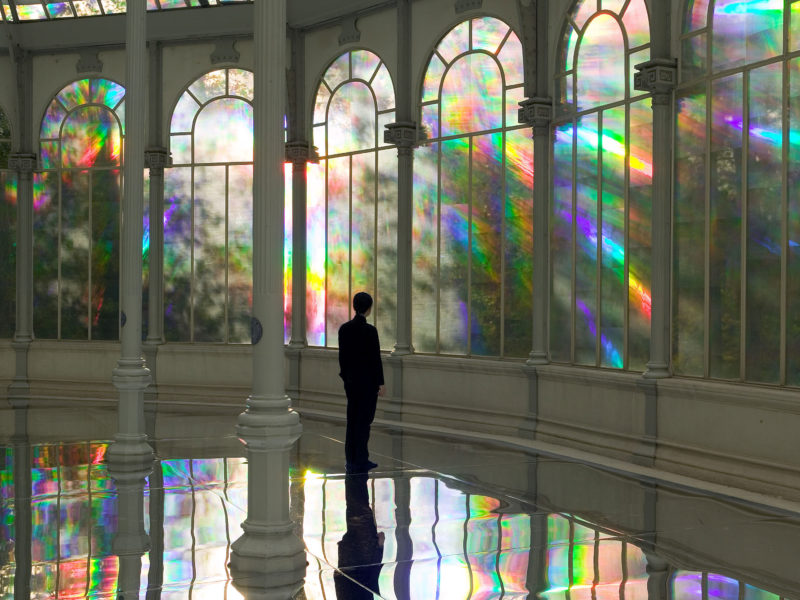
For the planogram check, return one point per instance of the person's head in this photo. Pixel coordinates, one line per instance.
(362, 303)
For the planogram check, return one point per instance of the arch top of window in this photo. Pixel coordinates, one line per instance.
(84, 92)
(221, 83)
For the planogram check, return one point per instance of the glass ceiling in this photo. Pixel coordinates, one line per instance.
(41, 10)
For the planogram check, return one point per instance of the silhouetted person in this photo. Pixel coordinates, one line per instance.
(361, 548)
(362, 372)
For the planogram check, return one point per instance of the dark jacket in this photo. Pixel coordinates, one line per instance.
(360, 355)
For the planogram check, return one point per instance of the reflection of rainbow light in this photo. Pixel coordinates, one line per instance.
(590, 137)
(287, 250)
(608, 347)
(749, 7)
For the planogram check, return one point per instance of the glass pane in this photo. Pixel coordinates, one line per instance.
(351, 115)
(338, 249)
(726, 217)
(107, 92)
(288, 250)
(518, 244)
(586, 320)
(338, 72)
(430, 121)
(764, 229)
(695, 15)
(488, 33)
(513, 97)
(364, 64)
(424, 248)
(240, 252)
(384, 89)
(639, 234)
(455, 42)
(694, 59)
(183, 116)
(794, 27)
(106, 195)
(386, 240)
(181, 149)
(510, 58)
(454, 247)
(561, 246)
(488, 207)
(240, 83)
(208, 289)
(8, 244)
(209, 86)
(177, 253)
(91, 137)
(637, 23)
(601, 64)
(224, 132)
(51, 123)
(472, 96)
(321, 104)
(433, 77)
(793, 222)
(746, 32)
(315, 253)
(722, 587)
(583, 10)
(689, 235)
(362, 231)
(75, 94)
(75, 248)
(45, 249)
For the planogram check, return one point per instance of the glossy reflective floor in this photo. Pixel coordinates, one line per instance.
(439, 519)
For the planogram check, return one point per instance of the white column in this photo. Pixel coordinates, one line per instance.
(659, 76)
(298, 153)
(131, 377)
(268, 556)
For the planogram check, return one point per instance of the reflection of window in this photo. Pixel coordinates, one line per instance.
(352, 192)
(76, 212)
(208, 239)
(8, 232)
(736, 304)
(600, 232)
(473, 211)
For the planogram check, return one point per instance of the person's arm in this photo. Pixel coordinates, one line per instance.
(376, 353)
(342, 359)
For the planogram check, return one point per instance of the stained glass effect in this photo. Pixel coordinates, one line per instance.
(77, 212)
(351, 206)
(735, 234)
(208, 238)
(473, 181)
(600, 234)
(39, 10)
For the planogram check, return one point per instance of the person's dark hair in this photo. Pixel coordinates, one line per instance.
(362, 302)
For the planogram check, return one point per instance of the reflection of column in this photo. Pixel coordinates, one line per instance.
(131, 377)
(659, 76)
(155, 574)
(405, 547)
(268, 558)
(130, 541)
(23, 523)
(658, 574)
(23, 162)
(537, 554)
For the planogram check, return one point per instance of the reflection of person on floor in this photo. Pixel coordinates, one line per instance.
(361, 369)
(361, 548)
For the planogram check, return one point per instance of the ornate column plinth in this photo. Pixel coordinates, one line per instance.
(658, 575)
(24, 164)
(659, 76)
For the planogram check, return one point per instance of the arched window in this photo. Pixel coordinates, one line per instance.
(8, 232)
(77, 212)
(600, 221)
(473, 181)
(736, 271)
(352, 198)
(208, 206)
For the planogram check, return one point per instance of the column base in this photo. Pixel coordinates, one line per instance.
(657, 370)
(19, 391)
(537, 358)
(527, 429)
(268, 562)
(393, 403)
(294, 355)
(267, 414)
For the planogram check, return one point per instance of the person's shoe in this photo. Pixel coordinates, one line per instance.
(352, 469)
(370, 465)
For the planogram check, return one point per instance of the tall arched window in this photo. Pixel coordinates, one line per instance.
(208, 237)
(8, 232)
(473, 181)
(77, 213)
(600, 221)
(736, 276)
(352, 198)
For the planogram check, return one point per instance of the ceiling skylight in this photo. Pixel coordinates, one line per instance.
(42, 10)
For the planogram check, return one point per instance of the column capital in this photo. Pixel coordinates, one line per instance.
(403, 134)
(658, 76)
(538, 113)
(301, 152)
(22, 162)
(157, 159)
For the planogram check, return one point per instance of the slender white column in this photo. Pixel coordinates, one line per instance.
(538, 112)
(131, 377)
(659, 76)
(156, 159)
(298, 153)
(268, 557)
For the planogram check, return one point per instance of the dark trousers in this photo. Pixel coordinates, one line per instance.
(361, 406)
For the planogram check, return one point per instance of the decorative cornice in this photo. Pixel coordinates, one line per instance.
(538, 113)
(22, 162)
(157, 159)
(350, 33)
(404, 134)
(465, 5)
(89, 62)
(658, 76)
(300, 153)
(225, 52)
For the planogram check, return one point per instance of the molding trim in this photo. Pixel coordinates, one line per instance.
(22, 162)
(225, 52)
(89, 62)
(349, 33)
(465, 5)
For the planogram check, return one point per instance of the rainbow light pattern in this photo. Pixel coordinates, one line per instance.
(473, 189)
(44, 10)
(351, 199)
(77, 203)
(730, 246)
(600, 241)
